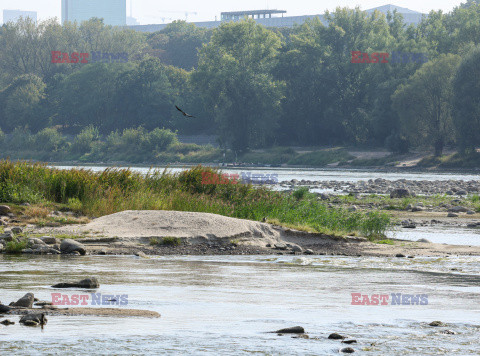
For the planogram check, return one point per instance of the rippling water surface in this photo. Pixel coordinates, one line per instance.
(225, 305)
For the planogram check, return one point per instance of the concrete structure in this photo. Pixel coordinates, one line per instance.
(113, 12)
(14, 15)
(265, 18)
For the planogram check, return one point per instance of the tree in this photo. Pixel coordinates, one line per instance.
(234, 72)
(424, 103)
(466, 86)
(21, 103)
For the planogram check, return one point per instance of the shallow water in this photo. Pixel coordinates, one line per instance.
(226, 304)
(452, 235)
(320, 174)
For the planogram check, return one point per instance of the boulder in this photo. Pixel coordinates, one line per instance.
(7, 322)
(424, 241)
(347, 350)
(437, 323)
(35, 242)
(71, 246)
(88, 283)
(349, 342)
(400, 193)
(16, 230)
(8, 236)
(49, 240)
(452, 215)
(458, 209)
(5, 210)
(336, 336)
(292, 330)
(33, 320)
(309, 252)
(4, 309)
(26, 301)
(296, 248)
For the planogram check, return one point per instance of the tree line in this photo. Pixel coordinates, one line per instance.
(253, 86)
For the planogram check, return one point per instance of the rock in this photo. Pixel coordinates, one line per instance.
(26, 301)
(452, 215)
(400, 193)
(336, 336)
(42, 304)
(349, 342)
(472, 225)
(347, 350)
(458, 209)
(400, 255)
(410, 226)
(462, 192)
(309, 252)
(16, 230)
(449, 192)
(4, 309)
(5, 210)
(296, 248)
(293, 330)
(102, 252)
(301, 336)
(71, 246)
(436, 323)
(49, 240)
(33, 241)
(7, 322)
(470, 212)
(448, 332)
(424, 241)
(141, 254)
(8, 236)
(282, 247)
(34, 320)
(417, 208)
(88, 283)
(352, 208)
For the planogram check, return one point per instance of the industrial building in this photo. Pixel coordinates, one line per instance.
(276, 18)
(113, 12)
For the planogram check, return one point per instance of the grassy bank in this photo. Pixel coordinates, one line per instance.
(113, 190)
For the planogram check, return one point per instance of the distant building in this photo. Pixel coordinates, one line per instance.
(267, 18)
(113, 12)
(14, 15)
(132, 21)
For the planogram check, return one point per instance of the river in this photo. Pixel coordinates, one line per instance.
(226, 305)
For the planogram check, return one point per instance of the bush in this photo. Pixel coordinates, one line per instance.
(15, 247)
(301, 193)
(48, 140)
(159, 139)
(83, 142)
(21, 139)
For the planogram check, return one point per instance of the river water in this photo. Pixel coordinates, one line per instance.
(227, 304)
(213, 305)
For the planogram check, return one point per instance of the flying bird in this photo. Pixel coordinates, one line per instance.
(184, 113)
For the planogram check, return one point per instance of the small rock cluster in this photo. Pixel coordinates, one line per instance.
(384, 186)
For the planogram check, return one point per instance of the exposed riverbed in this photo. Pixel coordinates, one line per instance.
(224, 305)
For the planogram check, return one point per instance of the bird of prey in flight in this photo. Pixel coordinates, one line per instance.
(184, 113)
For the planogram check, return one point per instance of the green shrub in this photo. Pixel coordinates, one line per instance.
(15, 246)
(48, 140)
(83, 142)
(300, 193)
(166, 241)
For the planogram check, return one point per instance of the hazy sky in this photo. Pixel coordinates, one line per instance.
(152, 11)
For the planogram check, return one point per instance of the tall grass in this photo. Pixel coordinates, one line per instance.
(101, 193)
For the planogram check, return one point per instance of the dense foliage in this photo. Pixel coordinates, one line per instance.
(252, 86)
